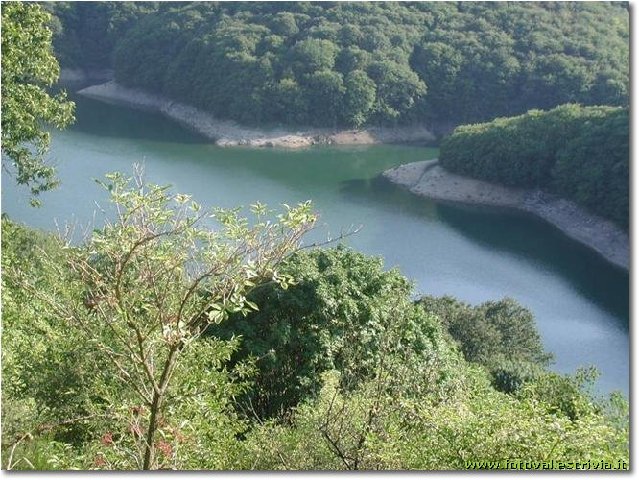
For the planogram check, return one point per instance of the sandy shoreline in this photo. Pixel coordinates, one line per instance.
(430, 180)
(228, 133)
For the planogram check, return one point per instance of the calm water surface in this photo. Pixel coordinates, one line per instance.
(581, 303)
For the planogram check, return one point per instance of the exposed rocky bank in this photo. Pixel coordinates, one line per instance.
(228, 133)
(79, 77)
(431, 180)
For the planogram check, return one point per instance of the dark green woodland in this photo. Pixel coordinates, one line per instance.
(580, 153)
(352, 64)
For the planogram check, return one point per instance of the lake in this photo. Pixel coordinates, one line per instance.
(581, 302)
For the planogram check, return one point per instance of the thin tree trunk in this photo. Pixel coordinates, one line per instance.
(158, 397)
(149, 453)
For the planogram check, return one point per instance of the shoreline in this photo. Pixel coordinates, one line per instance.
(80, 77)
(426, 178)
(429, 179)
(227, 133)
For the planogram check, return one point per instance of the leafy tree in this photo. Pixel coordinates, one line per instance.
(359, 97)
(284, 23)
(153, 279)
(325, 91)
(352, 58)
(28, 68)
(439, 64)
(65, 407)
(501, 336)
(286, 101)
(398, 88)
(312, 55)
(338, 315)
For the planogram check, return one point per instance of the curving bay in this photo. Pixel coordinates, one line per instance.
(580, 301)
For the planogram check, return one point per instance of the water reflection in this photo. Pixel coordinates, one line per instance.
(106, 120)
(512, 232)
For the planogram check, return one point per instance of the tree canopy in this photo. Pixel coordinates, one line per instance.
(580, 153)
(328, 64)
(28, 69)
(337, 316)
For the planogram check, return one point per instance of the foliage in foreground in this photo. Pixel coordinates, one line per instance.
(375, 428)
(580, 153)
(338, 315)
(371, 379)
(28, 69)
(140, 292)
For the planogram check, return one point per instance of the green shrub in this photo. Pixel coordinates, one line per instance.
(366, 429)
(500, 335)
(338, 315)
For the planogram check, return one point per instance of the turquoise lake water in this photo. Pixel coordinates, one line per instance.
(581, 302)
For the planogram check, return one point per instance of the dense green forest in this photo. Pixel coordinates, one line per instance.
(581, 153)
(349, 64)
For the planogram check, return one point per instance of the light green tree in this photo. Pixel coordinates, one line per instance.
(155, 278)
(28, 69)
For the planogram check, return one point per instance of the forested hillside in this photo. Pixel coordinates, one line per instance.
(580, 153)
(349, 64)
